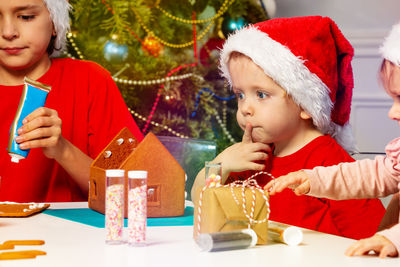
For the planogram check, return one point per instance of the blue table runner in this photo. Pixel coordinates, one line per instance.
(96, 219)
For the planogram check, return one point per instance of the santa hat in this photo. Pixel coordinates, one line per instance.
(390, 49)
(311, 59)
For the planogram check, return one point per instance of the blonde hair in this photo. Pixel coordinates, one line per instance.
(236, 55)
(386, 73)
(59, 14)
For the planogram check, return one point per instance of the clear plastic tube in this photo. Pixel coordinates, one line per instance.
(213, 173)
(221, 241)
(137, 207)
(114, 215)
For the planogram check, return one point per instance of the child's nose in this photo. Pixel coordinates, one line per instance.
(247, 108)
(394, 112)
(8, 29)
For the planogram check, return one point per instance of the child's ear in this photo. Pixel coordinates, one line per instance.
(304, 115)
(54, 33)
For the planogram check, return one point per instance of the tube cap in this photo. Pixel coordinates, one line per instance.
(137, 174)
(115, 173)
(15, 157)
(292, 236)
(253, 235)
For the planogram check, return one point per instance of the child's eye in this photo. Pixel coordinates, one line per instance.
(239, 95)
(262, 95)
(27, 17)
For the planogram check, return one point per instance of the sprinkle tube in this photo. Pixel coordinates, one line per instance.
(279, 232)
(137, 207)
(221, 241)
(114, 215)
(33, 96)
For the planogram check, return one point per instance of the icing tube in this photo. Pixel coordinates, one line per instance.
(33, 96)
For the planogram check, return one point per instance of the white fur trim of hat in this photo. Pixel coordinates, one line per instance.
(390, 49)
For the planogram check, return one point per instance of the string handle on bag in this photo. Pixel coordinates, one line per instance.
(250, 183)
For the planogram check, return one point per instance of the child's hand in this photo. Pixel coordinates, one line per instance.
(243, 156)
(297, 181)
(41, 128)
(378, 243)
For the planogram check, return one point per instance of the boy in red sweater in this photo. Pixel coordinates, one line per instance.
(83, 111)
(293, 81)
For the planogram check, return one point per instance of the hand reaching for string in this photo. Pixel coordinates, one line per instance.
(244, 155)
(42, 128)
(297, 181)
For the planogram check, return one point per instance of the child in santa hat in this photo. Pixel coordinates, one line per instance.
(293, 81)
(364, 178)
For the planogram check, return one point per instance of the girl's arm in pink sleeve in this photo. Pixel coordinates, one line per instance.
(391, 216)
(393, 234)
(360, 179)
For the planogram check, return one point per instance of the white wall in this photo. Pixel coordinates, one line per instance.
(348, 14)
(365, 23)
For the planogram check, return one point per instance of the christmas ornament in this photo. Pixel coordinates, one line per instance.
(207, 49)
(149, 118)
(229, 25)
(151, 46)
(114, 52)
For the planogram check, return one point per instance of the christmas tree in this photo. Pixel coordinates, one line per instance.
(163, 57)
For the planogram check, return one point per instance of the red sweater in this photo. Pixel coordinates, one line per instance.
(350, 218)
(92, 112)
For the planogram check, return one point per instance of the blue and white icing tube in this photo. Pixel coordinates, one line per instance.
(33, 96)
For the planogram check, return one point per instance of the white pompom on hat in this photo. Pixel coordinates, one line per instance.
(308, 57)
(390, 48)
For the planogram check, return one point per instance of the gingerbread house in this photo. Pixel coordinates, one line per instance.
(165, 180)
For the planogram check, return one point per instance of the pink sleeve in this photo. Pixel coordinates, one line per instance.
(360, 179)
(393, 234)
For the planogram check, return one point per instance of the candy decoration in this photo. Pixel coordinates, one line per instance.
(213, 180)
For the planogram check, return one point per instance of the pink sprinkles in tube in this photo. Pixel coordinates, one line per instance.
(137, 208)
(114, 215)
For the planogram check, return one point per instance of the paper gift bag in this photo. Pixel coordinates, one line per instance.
(218, 211)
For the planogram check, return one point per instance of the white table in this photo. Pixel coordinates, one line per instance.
(73, 244)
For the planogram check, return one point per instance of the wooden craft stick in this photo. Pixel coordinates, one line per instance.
(23, 242)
